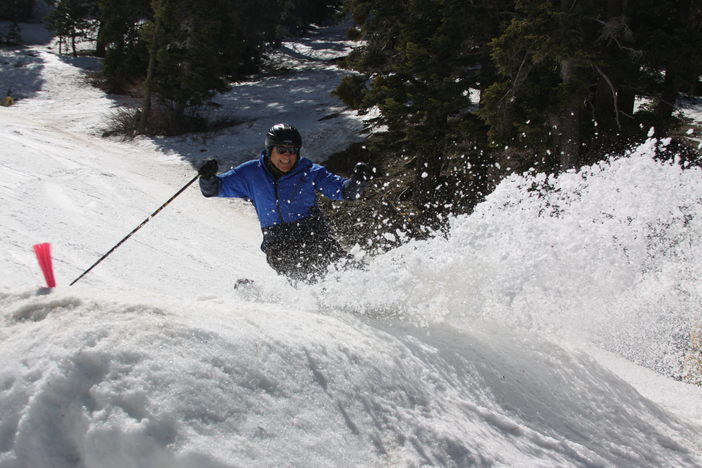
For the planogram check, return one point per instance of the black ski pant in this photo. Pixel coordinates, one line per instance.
(302, 251)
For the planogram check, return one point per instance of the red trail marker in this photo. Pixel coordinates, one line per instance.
(43, 253)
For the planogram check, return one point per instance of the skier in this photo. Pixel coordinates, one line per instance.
(282, 186)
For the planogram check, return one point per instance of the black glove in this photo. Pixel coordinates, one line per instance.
(209, 169)
(363, 172)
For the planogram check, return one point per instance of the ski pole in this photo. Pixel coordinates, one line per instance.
(136, 229)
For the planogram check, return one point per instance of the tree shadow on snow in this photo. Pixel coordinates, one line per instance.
(20, 73)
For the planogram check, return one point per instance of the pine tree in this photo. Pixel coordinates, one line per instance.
(126, 54)
(196, 50)
(570, 73)
(200, 49)
(669, 35)
(71, 21)
(421, 60)
(545, 58)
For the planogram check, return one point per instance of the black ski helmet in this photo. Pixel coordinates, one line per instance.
(283, 134)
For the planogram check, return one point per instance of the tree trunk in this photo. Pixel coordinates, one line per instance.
(153, 50)
(428, 164)
(427, 171)
(178, 117)
(568, 132)
(100, 45)
(569, 138)
(672, 85)
(611, 100)
(666, 103)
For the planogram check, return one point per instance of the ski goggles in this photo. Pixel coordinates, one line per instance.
(288, 149)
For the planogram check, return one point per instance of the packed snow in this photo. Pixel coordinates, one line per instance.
(546, 329)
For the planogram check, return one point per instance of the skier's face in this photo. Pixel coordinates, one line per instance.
(284, 157)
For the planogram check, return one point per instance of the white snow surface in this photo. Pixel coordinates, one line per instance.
(528, 336)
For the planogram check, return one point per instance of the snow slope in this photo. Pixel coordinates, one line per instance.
(515, 341)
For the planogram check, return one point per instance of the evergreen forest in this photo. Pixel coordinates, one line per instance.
(468, 91)
(475, 90)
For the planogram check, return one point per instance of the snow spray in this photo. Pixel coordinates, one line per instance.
(43, 253)
(607, 255)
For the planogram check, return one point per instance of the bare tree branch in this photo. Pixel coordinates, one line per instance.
(614, 95)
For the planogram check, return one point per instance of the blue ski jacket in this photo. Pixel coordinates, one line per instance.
(288, 198)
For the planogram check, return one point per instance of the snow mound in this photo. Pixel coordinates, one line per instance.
(93, 382)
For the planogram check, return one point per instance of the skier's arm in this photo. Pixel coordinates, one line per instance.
(229, 184)
(340, 188)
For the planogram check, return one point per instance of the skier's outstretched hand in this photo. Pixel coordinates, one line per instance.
(208, 169)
